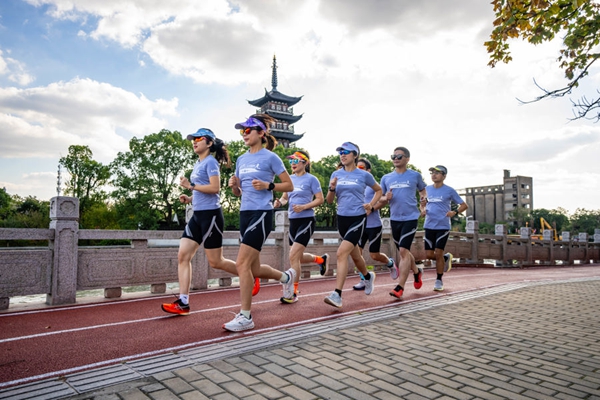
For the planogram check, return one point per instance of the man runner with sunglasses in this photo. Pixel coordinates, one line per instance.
(399, 191)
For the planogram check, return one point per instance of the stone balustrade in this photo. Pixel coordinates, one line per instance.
(64, 267)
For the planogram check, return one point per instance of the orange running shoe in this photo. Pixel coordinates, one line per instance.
(418, 279)
(397, 292)
(256, 287)
(176, 308)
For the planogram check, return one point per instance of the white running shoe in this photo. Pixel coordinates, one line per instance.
(370, 283)
(438, 286)
(288, 287)
(447, 262)
(360, 285)
(334, 299)
(394, 273)
(239, 323)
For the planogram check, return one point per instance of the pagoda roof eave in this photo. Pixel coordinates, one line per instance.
(289, 118)
(286, 136)
(275, 95)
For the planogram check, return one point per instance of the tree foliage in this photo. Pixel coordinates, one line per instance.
(146, 179)
(584, 221)
(537, 21)
(87, 177)
(557, 218)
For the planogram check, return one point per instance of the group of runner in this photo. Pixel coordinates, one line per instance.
(359, 198)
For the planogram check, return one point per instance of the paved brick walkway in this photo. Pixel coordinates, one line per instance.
(521, 341)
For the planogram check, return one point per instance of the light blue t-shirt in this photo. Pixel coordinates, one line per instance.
(350, 191)
(262, 165)
(439, 202)
(201, 174)
(373, 219)
(305, 187)
(404, 187)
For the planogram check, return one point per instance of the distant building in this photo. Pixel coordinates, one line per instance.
(496, 203)
(279, 106)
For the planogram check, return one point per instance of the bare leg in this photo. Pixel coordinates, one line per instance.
(187, 250)
(297, 257)
(405, 265)
(217, 261)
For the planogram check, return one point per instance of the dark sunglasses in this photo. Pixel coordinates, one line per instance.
(397, 156)
(344, 152)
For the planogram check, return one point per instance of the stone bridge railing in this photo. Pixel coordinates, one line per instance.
(63, 267)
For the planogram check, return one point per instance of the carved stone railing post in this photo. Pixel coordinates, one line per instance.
(64, 219)
(583, 240)
(526, 234)
(472, 227)
(548, 236)
(282, 224)
(500, 230)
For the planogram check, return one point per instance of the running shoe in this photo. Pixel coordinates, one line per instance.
(438, 286)
(176, 307)
(239, 323)
(288, 287)
(419, 278)
(394, 273)
(447, 262)
(289, 301)
(334, 299)
(325, 265)
(256, 287)
(360, 285)
(397, 292)
(370, 283)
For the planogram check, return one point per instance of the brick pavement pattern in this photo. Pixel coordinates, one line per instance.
(536, 342)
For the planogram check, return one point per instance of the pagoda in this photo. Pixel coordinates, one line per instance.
(279, 106)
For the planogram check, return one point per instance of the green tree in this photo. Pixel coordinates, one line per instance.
(146, 179)
(5, 204)
(584, 221)
(230, 203)
(86, 177)
(537, 21)
(27, 212)
(557, 218)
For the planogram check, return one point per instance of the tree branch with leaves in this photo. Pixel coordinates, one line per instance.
(538, 21)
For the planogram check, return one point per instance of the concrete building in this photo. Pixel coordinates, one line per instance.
(496, 203)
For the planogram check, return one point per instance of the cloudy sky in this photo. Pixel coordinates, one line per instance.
(380, 73)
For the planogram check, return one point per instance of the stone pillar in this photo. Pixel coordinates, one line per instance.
(282, 224)
(526, 234)
(472, 227)
(500, 230)
(64, 219)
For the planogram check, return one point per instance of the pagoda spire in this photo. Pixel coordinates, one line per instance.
(274, 76)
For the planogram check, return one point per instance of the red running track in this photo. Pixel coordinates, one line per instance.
(52, 341)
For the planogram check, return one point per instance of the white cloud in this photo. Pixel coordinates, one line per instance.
(14, 70)
(81, 111)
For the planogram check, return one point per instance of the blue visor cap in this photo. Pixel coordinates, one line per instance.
(202, 132)
(348, 146)
(250, 123)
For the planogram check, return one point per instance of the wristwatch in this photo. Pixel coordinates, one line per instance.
(192, 185)
(331, 189)
(271, 186)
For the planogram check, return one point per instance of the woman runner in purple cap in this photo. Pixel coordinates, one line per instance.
(348, 184)
(253, 181)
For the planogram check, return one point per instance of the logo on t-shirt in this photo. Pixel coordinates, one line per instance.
(400, 185)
